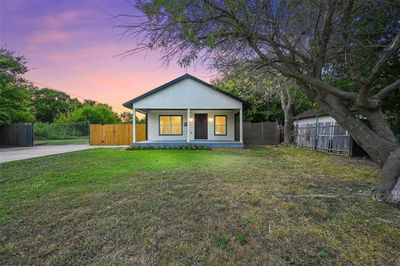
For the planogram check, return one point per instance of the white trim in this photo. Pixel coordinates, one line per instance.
(241, 125)
(133, 124)
(188, 126)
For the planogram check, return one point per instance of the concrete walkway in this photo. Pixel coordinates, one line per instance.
(22, 153)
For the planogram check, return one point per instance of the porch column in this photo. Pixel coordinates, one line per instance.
(133, 124)
(241, 124)
(188, 126)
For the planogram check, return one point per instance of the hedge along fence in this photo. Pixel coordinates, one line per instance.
(116, 134)
(57, 131)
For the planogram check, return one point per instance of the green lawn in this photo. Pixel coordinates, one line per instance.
(253, 206)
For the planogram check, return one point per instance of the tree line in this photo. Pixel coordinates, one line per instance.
(23, 102)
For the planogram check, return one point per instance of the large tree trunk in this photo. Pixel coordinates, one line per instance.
(388, 189)
(288, 126)
(383, 147)
(288, 109)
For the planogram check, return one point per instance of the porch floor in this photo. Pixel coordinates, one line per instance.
(229, 144)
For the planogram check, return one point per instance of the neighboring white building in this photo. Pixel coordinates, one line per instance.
(213, 115)
(327, 125)
(309, 118)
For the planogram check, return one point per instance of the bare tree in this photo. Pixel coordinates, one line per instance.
(311, 41)
(285, 94)
(126, 117)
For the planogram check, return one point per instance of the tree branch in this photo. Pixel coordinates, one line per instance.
(387, 90)
(393, 47)
(324, 40)
(355, 72)
(292, 72)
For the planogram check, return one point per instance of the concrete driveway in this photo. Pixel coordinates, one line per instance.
(22, 153)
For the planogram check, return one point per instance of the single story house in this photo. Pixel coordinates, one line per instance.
(188, 111)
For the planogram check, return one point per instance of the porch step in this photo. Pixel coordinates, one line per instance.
(216, 145)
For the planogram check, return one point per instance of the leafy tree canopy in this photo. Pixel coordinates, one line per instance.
(126, 117)
(49, 104)
(14, 96)
(263, 103)
(262, 93)
(98, 114)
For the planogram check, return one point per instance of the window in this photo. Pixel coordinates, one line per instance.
(170, 124)
(220, 125)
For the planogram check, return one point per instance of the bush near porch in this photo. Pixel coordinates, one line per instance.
(273, 206)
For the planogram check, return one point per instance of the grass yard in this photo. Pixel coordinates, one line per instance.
(272, 206)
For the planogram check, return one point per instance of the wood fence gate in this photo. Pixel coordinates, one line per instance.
(115, 134)
(263, 133)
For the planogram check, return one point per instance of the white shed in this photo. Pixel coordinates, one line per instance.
(310, 117)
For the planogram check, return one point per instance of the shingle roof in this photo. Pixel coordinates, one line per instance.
(309, 113)
(128, 104)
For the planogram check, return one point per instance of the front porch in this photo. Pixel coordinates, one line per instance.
(216, 144)
(215, 128)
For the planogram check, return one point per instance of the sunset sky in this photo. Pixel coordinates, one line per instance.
(73, 46)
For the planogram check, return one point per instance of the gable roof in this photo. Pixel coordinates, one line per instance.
(309, 113)
(128, 104)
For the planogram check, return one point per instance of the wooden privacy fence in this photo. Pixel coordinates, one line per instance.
(115, 134)
(16, 135)
(263, 133)
(329, 138)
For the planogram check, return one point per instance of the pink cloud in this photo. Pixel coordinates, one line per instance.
(110, 80)
(64, 18)
(52, 36)
(90, 54)
(55, 32)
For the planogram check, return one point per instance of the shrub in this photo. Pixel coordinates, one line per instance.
(45, 131)
(99, 114)
(178, 147)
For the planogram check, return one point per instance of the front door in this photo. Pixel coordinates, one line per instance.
(237, 127)
(200, 126)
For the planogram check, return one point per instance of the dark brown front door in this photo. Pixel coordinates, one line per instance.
(237, 127)
(200, 126)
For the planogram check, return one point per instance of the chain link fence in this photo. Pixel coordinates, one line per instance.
(61, 133)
